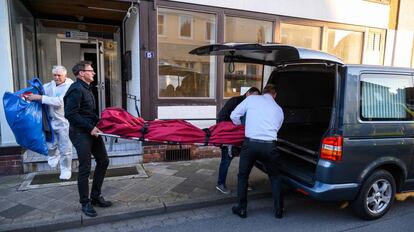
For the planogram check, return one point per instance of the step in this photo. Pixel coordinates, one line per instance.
(120, 152)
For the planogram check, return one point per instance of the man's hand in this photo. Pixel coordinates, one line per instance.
(95, 132)
(33, 97)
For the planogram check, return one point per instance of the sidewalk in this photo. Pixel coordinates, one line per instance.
(167, 187)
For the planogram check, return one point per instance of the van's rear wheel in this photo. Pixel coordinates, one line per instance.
(376, 196)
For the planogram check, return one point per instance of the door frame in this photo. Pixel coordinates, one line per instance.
(99, 66)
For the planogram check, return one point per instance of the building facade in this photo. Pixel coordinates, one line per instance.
(140, 48)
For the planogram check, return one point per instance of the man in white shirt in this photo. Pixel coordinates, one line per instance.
(61, 148)
(264, 117)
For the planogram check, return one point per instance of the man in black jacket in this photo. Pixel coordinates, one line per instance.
(227, 150)
(80, 110)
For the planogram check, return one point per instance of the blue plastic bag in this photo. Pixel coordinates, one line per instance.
(27, 119)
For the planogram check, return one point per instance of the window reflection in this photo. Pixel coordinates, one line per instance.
(245, 75)
(301, 36)
(179, 73)
(346, 45)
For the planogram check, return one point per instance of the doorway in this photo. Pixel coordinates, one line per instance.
(71, 51)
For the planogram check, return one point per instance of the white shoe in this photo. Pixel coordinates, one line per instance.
(65, 175)
(53, 161)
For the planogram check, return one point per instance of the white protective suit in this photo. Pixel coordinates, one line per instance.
(61, 148)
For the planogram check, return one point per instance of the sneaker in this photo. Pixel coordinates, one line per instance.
(53, 161)
(249, 188)
(223, 189)
(65, 175)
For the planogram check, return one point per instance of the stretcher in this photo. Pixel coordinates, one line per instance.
(118, 123)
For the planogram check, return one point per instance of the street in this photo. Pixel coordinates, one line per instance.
(302, 214)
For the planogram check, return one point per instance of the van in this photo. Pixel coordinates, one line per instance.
(348, 132)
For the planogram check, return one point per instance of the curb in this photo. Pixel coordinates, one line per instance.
(164, 208)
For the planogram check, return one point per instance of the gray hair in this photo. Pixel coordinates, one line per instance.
(59, 69)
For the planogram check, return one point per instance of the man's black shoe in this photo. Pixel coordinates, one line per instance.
(88, 210)
(239, 211)
(279, 213)
(100, 202)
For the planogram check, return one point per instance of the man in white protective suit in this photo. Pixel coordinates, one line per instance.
(61, 148)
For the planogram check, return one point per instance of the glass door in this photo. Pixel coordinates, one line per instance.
(71, 51)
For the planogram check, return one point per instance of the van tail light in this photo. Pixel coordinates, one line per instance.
(332, 148)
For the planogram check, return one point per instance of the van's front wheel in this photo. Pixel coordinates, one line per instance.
(376, 196)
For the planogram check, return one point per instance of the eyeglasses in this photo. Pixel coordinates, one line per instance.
(88, 70)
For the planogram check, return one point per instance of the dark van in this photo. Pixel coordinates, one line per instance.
(348, 132)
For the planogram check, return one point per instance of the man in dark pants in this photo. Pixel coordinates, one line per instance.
(263, 119)
(226, 150)
(81, 113)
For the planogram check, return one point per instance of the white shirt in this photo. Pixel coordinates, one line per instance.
(263, 119)
(54, 98)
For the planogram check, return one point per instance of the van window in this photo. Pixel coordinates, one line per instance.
(386, 97)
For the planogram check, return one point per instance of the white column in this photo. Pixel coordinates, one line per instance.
(6, 85)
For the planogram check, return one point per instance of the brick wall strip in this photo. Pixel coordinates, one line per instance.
(11, 160)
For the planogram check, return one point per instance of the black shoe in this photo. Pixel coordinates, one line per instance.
(239, 211)
(88, 210)
(279, 213)
(100, 202)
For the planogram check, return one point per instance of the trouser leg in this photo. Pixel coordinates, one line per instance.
(102, 162)
(224, 165)
(270, 159)
(246, 163)
(65, 149)
(53, 154)
(276, 182)
(83, 144)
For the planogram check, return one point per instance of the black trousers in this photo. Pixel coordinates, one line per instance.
(87, 145)
(268, 155)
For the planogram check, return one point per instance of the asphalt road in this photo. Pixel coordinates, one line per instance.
(302, 214)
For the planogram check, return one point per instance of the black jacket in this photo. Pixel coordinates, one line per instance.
(231, 104)
(80, 109)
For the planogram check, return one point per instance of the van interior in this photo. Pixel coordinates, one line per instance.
(306, 95)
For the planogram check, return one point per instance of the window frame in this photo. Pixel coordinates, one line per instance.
(213, 37)
(164, 29)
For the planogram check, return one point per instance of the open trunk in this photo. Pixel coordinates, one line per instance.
(305, 82)
(306, 95)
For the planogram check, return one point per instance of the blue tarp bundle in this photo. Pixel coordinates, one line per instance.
(28, 119)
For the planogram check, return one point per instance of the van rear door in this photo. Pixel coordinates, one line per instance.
(267, 54)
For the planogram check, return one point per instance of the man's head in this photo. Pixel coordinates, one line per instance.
(59, 74)
(270, 89)
(84, 71)
(252, 91)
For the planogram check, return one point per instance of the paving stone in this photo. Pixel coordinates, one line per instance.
(198, 192)
(108, 190)
(170, 184)
(57, 193)
(165, 171)
(21, 196)
(71, 197)
(37, 201)
(13, 179)
(206, 172)
(5, 204)
(184, 187)
(16, 211)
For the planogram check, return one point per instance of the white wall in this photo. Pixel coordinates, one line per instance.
(132, 44)
(400, 42)
(341, 11)
(7, 136)
(189, 112)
